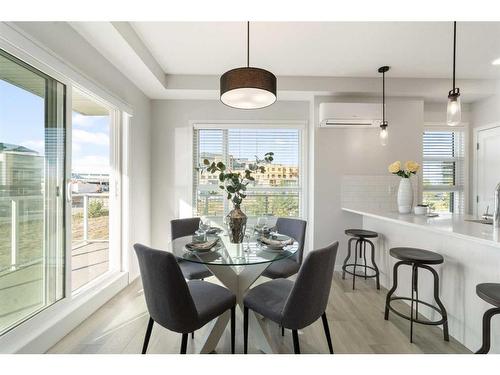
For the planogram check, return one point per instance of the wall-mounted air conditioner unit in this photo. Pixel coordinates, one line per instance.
(350, 115)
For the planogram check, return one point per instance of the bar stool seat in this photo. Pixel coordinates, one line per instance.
(362, 233)
(423, 259)
(416, 255)
(490, 292)
(361, 236)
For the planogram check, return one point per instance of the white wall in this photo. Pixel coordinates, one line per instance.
(436, 112)
(67, 44)
(172, 151)
(341, 152)
(486, 111)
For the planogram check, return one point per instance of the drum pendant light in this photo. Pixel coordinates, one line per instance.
(248, 87)
(454, 111)
(384, 133)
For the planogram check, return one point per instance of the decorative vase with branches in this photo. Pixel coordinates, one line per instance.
(235, 185)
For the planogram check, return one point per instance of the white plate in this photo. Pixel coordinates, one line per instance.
(273, 250)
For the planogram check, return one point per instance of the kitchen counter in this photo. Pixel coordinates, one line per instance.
(453, 224)
(471, 253)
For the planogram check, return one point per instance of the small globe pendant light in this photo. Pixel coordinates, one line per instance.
(454, 110)
(248, 87)
(384, 133)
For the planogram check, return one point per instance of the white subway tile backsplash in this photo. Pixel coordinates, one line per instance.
(371, 191)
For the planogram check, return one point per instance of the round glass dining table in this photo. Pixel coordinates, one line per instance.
(237, 267)
(224, 253)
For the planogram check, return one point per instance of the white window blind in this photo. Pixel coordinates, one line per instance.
(444, 169)
(276, 192)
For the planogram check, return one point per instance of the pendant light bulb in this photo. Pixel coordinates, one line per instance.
(383, 135)
(454, 110)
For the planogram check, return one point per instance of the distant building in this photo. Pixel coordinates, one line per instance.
(276, 175)
(90, 182)
(21, 171)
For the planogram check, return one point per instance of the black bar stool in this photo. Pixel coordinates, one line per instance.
(361, 237)
(489, 292)
(417, 258)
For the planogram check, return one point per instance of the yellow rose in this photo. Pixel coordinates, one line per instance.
(412, 166)
(395, 167)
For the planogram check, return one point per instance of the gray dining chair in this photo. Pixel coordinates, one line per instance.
(287, 267)
(187, 227)
(295, 305)
(175, 304)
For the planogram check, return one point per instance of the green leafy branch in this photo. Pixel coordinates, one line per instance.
(404, 174)
(235, 183)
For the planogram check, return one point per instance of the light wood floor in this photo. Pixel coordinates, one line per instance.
(356, 322)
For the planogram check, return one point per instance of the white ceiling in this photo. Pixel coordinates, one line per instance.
(339, 49)
(184, 60)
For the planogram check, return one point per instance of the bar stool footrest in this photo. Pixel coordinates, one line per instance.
(416, 320)
(344, 268)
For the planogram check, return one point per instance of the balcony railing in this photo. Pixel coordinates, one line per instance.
(28, 210)
(84, 199)
(15, 211)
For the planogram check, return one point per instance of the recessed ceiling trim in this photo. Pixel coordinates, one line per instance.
(135, 42)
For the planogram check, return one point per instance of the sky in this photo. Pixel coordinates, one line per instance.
(22, 123)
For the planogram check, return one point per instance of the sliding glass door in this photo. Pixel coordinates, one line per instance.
(32, 165)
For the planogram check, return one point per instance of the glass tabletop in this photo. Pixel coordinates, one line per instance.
(225, 253)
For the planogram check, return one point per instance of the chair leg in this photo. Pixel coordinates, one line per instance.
(355, 262)
(439, 303)
(485, 347)
(282, 331)
(393, 289)
(377, 278)
(347, 257)
(184, 343)
(296, 347)
(364, 257)
(327, 332)
(148, 335)
(245, 329)
(413, 269)
(415, 286)
(233, 327)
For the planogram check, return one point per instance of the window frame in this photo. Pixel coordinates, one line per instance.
(250, 124)
(464, 128)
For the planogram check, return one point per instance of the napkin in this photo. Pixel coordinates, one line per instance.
(202, 245)
(276, 243)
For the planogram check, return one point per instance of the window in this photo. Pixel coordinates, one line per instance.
(272, 194)
(444, 169)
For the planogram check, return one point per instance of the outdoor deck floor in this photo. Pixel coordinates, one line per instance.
(22, 291)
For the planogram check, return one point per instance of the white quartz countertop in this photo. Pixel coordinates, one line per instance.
(452, 224)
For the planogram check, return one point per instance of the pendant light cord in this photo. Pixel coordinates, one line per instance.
(454, 50)
(248, 46)
(383, 97)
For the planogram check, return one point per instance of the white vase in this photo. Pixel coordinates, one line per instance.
(405, 196)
